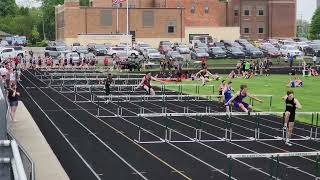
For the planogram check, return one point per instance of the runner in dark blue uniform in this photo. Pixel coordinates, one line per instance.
(227, 93)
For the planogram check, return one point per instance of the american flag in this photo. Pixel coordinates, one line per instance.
(117, 1)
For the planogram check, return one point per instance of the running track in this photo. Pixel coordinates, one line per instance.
(103, 148)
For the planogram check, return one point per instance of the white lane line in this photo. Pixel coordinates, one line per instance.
(63, 135)
(102, 142)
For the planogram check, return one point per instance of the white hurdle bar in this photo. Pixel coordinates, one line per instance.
(134, 98)
(269, 155)
(313, 134)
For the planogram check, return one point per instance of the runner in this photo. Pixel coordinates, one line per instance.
(145, 83)
(107, 84)
(289, 114)
(221, 88)
(227, 94)
(204, 75)
(237, 99)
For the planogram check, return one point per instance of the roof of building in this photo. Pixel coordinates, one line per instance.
(4, 34)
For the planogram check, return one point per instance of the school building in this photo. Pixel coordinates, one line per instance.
(175, 20)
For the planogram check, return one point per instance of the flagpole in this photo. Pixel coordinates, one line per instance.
(127, 27)
(117, 18)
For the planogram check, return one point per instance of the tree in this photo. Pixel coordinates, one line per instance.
(302, 28)
(48, 10)
(315, 25)
(7, 7)
(35, 35)
(84, 2)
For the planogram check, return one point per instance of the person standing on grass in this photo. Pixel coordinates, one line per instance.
(237, 99)
(289, 115)
(203, 62)
(13, 97)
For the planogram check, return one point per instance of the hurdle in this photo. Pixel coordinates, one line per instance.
(141, 98)
(228, 136)
(274, 163)
(180, 87)
(167, 134)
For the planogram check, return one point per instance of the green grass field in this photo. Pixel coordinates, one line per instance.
(275, 85)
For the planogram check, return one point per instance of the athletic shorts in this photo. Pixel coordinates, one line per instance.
(292, 116)
(13, 103)
(147, 88)
(220, 92)
(226, 99)
(236, 104)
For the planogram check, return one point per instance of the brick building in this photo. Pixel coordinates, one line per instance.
(260, 19)
(177, 20)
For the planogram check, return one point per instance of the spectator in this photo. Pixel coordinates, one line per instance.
(105, 61)
(314, 59)
(13, 100)
(203, 62)
(290, 58)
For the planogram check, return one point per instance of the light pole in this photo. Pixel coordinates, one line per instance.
(43, 32)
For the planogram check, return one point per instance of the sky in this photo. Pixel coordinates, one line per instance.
(305, 8)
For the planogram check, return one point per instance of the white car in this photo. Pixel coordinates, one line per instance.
(113, 51)
(140, 47)
(152, 54)
(11, 52)
(301, 45)
(292, 50)
(75, 57)
(75, 47)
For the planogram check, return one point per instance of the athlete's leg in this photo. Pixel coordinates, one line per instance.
(290, 129)
(242, 107)
(152, 93)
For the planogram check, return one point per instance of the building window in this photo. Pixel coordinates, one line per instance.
(171, 27)
(236, 12)
(147, 19)
(193, 8)
(260, 30)
(246, 30)
(106, 18)
(246, 12)
(206, 9)
(260, 12)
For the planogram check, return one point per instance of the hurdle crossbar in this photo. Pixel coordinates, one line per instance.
(218, 114)
(156, 96)
(269, 155)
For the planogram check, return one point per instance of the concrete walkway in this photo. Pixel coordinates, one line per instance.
(27, 133)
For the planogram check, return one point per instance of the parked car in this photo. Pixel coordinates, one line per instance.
(121, 56)
(82, 50)
(11, 52)
(253, 52)
(55, 51)
(174, 55)
(165, 46)
(74, 56)
(202, 46)
(4, 43)
(152, 54)
(312, 49)
(301, 45)
(219, 44)
(242, 42)
(289, 49)
(140, 47)
(217, 52)
(75, 46)
(183, 49)
(91, 47)
(100, 50)
(269, 50)
(198, 53)
(235, 53)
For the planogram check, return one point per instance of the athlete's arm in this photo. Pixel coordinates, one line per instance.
(155, 79)
(233, 97)
(198, 73)
(298, 105)
(254, 97)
